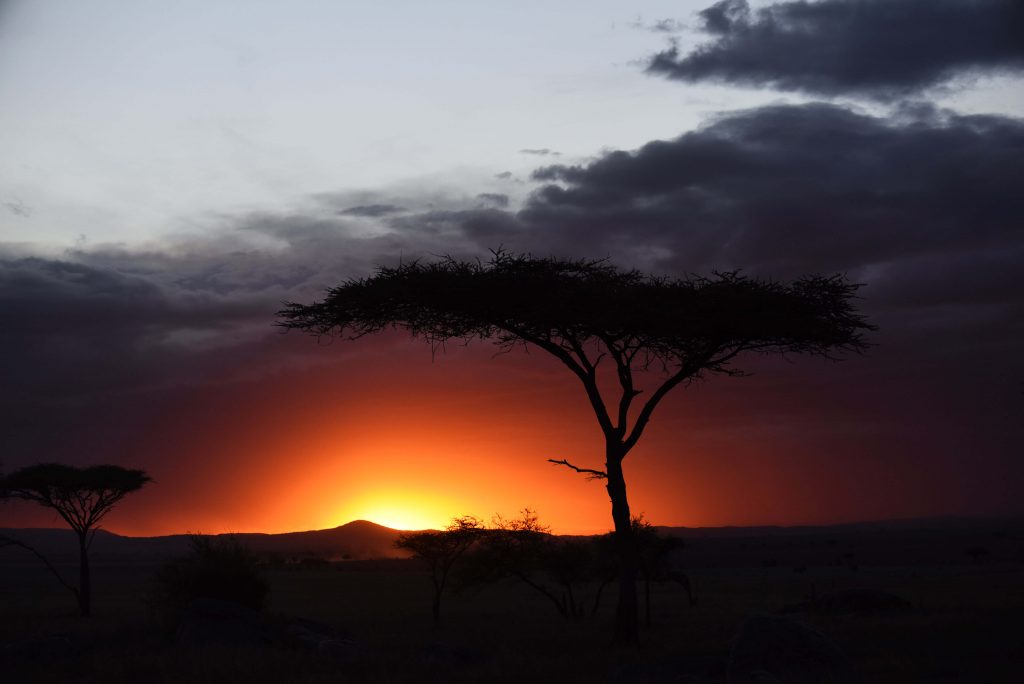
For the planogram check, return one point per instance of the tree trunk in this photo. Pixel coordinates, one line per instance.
(626, 618)
(84, 582)
(647, 601)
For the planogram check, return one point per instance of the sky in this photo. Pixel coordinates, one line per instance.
(171, 173)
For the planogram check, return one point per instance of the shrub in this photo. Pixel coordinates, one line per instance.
(219, 568)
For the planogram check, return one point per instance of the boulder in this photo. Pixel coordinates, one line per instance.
(324, 639)
(39, 649)
(772, 648)
(211, 622)
(860, 600)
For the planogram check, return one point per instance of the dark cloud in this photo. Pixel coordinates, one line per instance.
(371, 210)
(107, 321)
(882, 49)
(495, 198)
(786, 188)
(79, 331)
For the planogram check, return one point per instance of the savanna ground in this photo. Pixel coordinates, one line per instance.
(965, 625)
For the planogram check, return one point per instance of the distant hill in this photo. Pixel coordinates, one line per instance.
(899, 542)
(360, 539)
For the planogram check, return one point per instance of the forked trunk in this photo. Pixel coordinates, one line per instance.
(626, 614)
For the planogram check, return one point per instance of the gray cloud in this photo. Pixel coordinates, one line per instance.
(371, 210)
(495, 198)
(661, 26)
(17, 207)
(540, 152)
(882, 49)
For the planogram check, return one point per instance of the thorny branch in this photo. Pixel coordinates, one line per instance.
(593, 474)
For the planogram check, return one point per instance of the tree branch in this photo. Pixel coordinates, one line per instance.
(624, 371)
(687, 370)
(11, 541)
(593, 474)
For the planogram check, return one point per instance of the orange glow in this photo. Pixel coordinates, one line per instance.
(380, 432)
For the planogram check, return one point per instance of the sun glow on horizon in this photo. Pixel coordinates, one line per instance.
(401, 510)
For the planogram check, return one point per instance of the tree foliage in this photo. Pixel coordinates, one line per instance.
(82, 497)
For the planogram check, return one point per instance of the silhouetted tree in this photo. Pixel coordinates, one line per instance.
(584, 312)
(440, 549)
(524, 549)
(82, 497)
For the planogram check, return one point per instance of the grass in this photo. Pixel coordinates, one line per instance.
(965, 628)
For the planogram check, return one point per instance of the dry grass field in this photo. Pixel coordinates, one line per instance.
(965, 625)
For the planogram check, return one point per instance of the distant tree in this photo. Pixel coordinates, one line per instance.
(82, 497)
(441, 549)
(524, 549)
(583, 312)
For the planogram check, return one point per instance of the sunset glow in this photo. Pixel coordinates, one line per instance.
(398, 510)
(162, 198)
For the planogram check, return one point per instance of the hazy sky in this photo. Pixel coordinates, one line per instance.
(171, 172)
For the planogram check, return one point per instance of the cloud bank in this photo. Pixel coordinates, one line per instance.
(879, 49)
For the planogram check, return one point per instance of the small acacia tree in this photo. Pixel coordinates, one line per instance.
(441, 549)
(82, 497)
(524, 548)
(588, 312)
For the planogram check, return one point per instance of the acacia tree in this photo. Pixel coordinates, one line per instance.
(588, 312)
(440, 549)
(82, 497)
(525, 549)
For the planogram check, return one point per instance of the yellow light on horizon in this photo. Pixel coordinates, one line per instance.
(400, 510)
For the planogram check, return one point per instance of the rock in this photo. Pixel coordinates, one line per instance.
(775, 649)
(436, 653)
(50, 648)
(211, 622)
(669, 670)
(860, 600)
(851, 601)
(315, 636)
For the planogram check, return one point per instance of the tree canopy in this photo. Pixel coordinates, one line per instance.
(516, 298)
(81, 496)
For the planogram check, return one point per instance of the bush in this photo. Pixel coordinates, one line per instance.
(219, 568)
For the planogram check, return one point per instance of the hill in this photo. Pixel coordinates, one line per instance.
(360, 539)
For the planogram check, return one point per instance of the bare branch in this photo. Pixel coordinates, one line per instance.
(593, 474)
(11, 541)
